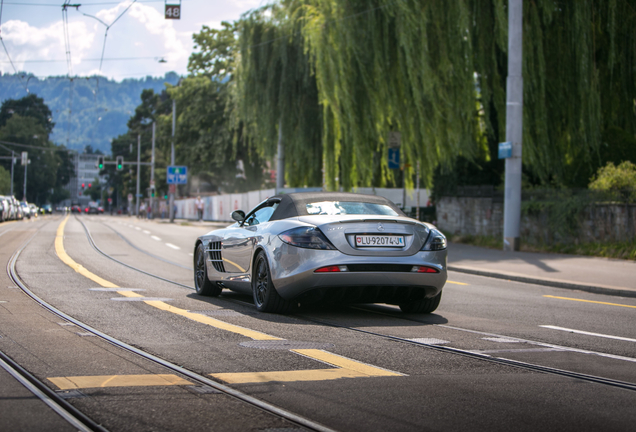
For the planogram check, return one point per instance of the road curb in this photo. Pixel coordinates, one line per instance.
(548, 282)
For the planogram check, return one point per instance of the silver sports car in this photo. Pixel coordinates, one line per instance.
(303, 248)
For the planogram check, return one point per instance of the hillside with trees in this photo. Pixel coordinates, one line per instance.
(85, 110)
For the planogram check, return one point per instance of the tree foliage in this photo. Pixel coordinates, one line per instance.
(436, 72)
(621, 178)
(25, 126)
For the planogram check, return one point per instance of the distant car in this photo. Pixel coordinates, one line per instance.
(100, 209)
(76, 209)
(34, 210)
(26, 210)
(324, 246)
(92, 210)
(47, 209)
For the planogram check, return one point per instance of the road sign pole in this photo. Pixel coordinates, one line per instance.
(514, 127)
(25, 179)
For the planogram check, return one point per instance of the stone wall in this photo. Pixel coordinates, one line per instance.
(484, 216)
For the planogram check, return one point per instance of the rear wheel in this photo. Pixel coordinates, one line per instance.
(426, 305)
(201, 282)
(266, 298)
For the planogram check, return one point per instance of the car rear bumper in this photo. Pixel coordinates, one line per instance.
(294, 273)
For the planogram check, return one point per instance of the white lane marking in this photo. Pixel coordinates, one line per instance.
(138, 229)
(547, 345)
(146, 232)
(501, 340)
(588, 333)
(155, 238)
(172, 246)
(430, 341)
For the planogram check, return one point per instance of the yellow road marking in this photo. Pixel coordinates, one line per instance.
(345, 363)
(78, 382)
(456, 283)
(287, 376)
(348, 368)
(590, 301)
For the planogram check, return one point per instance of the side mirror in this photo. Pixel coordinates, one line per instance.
(238, 215)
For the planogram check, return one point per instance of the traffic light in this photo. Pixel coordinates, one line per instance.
(100, 162)
(120, 163)
(83, 185)
(90, 185)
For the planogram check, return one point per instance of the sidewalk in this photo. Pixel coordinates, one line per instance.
(598, 275)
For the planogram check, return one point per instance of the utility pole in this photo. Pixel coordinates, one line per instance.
(25, 162)
(152, 171)
(280, 163)
(514, 127)
(138, 173)
(171, 197)
(12, 164)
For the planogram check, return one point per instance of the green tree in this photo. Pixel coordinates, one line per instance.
(29, 106)
(5, 181)
(436, 72)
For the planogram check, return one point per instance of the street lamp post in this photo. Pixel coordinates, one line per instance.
(138, 174)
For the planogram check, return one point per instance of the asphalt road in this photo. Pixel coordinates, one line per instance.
(359, 368)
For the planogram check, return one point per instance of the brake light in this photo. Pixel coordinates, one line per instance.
(331, 269)
(424, 269)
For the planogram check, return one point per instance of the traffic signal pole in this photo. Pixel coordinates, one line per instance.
(152, 171)
(514, 127)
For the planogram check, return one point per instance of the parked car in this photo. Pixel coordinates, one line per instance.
(34, 210)
(319, 246)
(3, 212)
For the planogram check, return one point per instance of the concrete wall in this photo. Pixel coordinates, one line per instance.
(220, 207)
(483, 216)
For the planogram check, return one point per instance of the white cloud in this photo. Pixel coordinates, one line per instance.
(26, 43)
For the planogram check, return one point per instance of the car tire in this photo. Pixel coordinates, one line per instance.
(202, 284)
(426, 305)
(266, 298)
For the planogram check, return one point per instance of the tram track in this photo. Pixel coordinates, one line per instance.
(446, 349)
(80, 420)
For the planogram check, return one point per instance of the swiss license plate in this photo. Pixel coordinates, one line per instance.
(379, 241)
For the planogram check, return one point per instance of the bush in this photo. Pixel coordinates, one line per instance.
(619, 179)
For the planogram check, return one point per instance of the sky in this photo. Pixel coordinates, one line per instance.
(33, 32)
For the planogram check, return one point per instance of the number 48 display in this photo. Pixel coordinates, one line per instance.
(173, 11)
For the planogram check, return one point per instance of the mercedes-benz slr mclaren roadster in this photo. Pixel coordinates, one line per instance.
(303, 248)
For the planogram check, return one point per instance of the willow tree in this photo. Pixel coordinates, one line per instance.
(277, 92)
(435, 71)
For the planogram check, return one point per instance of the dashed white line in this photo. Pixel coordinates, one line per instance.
(588, 333)
(146, 232)
(155, 238)
(138, 229)
(172, 246)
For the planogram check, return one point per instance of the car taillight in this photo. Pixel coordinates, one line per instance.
(331, 269)
(424, 269)
(436, 241)
(306, 237)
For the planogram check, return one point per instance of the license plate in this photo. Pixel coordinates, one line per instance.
(379, 241)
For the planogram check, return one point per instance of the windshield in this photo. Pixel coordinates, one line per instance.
(349, 208)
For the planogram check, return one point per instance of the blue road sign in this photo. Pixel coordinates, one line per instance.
(505, 150)
(394, 158)
(177, 175)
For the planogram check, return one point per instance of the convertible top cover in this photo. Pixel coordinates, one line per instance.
(295, 204)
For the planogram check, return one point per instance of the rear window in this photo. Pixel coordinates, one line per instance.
(349, 208)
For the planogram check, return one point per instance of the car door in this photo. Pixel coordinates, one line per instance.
(238, 246)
